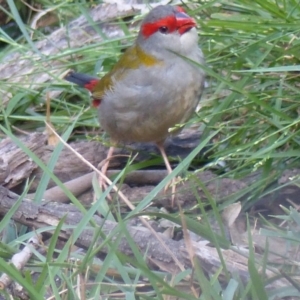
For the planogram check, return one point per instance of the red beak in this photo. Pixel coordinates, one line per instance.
(184, 22)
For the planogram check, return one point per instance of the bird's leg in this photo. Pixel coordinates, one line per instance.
(169, 169)
(104, 168)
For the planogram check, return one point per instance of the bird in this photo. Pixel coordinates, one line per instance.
(155, 85)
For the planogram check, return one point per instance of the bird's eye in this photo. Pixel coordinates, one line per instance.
(163, 29)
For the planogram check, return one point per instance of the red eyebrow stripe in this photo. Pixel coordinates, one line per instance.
(150, 28)
(180, 9)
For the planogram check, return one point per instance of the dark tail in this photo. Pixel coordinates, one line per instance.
(83, 80)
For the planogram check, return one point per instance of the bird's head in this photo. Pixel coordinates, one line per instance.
(168, 28)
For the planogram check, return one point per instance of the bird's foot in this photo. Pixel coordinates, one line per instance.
(104, 166)
(103, 186)
(172, 185)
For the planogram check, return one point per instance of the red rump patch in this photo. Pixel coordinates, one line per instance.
(149, 28)
(90, 85)
(96, 102)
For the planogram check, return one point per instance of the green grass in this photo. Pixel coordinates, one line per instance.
(250, 108)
